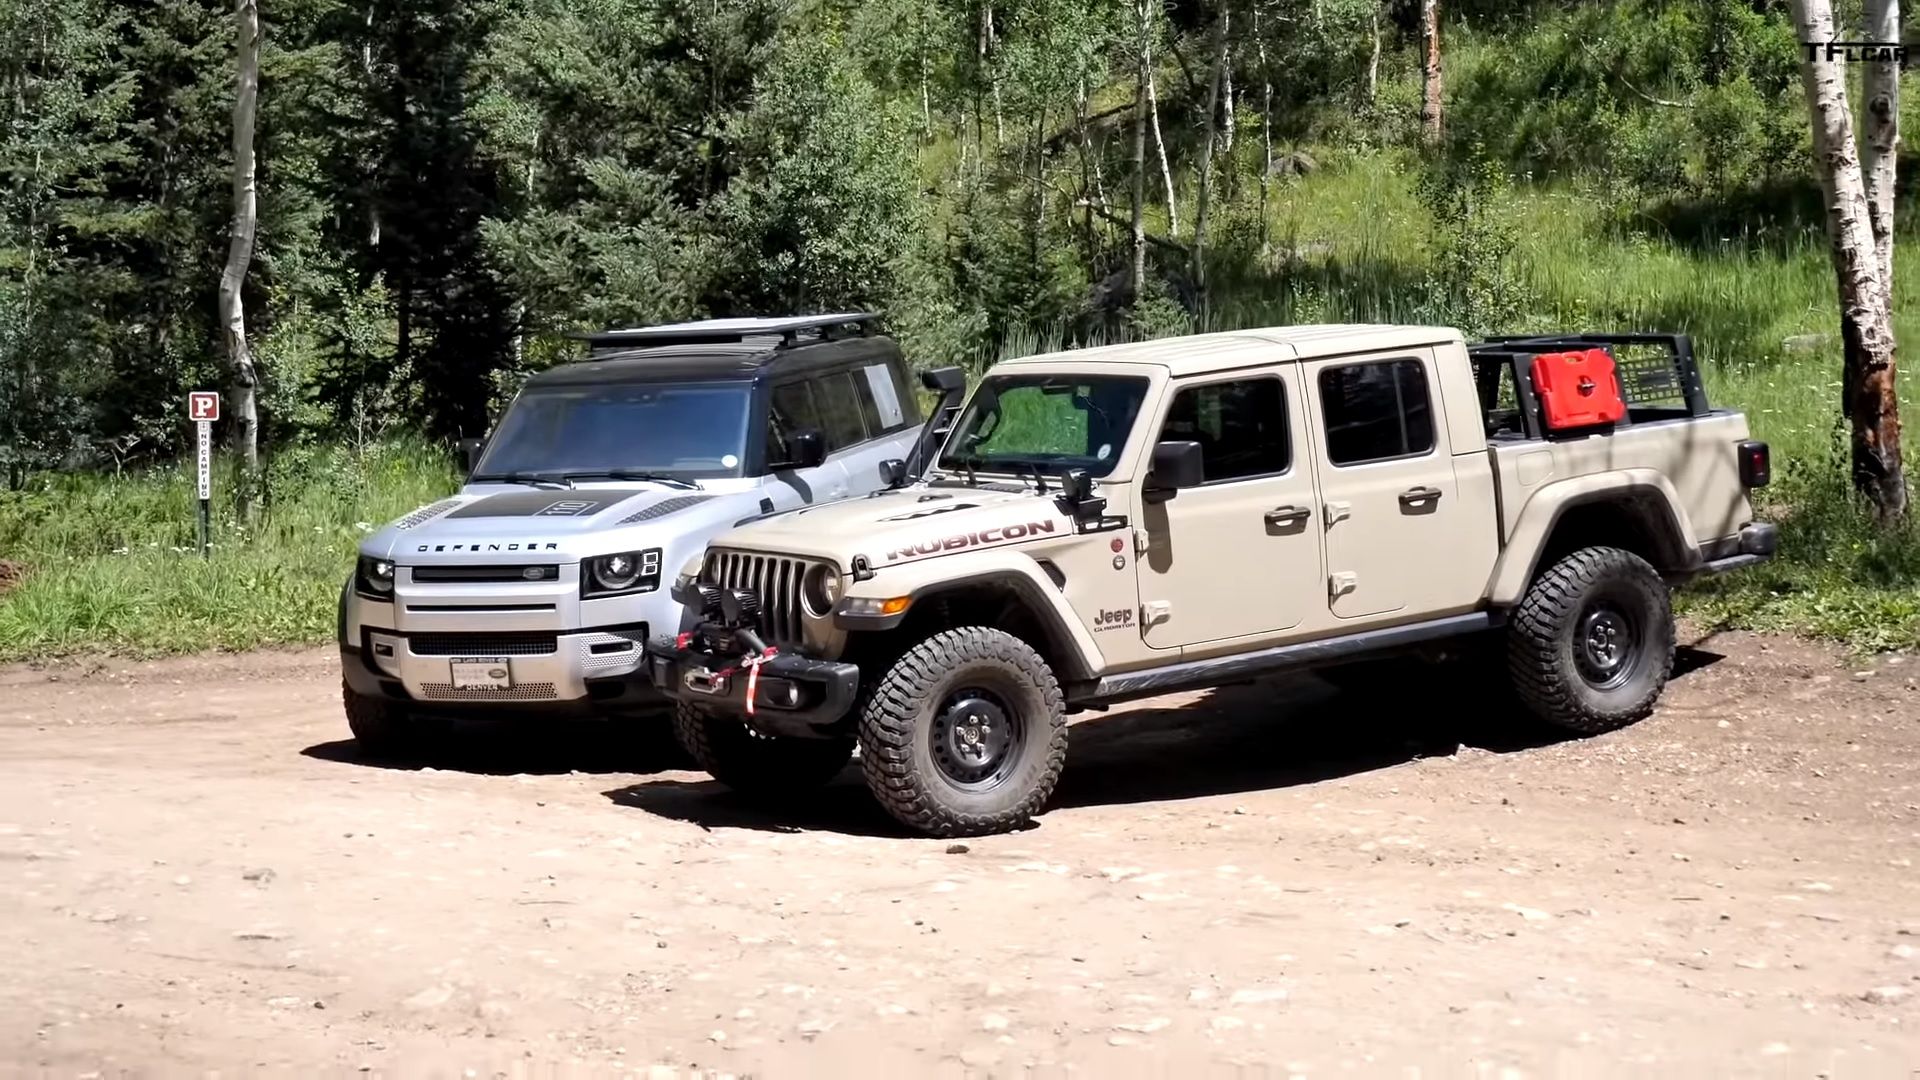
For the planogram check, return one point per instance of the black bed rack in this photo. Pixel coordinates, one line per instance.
(1658, 376)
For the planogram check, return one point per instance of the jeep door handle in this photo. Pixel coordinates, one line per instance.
(1288, 515)
(1419, 495)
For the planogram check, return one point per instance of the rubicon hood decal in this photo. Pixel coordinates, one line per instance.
(988, 537)
(544, 503)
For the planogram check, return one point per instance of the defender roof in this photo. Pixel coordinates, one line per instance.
(722, 349)
(1197, 354)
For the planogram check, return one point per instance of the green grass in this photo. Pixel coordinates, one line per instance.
(110, 562)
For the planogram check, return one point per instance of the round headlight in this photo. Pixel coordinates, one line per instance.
(820, 590)
(615, 572)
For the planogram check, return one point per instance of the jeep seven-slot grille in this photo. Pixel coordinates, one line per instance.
(774, 579)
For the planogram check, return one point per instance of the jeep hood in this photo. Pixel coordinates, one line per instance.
(905, 526)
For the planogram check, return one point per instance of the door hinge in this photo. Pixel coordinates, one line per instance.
(1141, 542)
(1155, 612)
(1342, 583)
(1338, 511)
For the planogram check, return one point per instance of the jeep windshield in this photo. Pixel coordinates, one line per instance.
(1051, 423)
(621, 431)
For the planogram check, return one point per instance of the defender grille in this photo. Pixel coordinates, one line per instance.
(436, 574)
(777, 581)
(507, 644)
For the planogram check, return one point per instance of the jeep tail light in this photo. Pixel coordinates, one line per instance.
(1756, 464)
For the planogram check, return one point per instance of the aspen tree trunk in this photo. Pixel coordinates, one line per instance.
(1373, 60)
(1866, 327)
(1206, 155)
(1880, 143)
(1142, 102)
(1166, 173)
(246, 421)
(1226, 86)
(1430, 113)
(1266, 130)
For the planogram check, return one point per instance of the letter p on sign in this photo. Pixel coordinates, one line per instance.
(203, 405)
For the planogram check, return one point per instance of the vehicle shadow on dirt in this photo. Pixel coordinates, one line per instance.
(638, 744)
(1273, 734)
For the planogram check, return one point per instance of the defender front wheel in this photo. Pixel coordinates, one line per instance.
(383, 728)
(965, 735)
(725, 748)
(1591, 643)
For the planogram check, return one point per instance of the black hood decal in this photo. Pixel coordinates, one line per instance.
(514, 504)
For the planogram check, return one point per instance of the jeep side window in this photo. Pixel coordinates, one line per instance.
(1376, 411)
(1241, 427)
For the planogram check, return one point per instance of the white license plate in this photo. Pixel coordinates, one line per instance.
(481, 673)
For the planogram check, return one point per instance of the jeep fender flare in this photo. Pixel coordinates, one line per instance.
(1645, 493)
(1072, 644)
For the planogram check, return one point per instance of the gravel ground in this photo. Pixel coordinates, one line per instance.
(200, 874)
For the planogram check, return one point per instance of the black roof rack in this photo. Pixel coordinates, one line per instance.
(785, 329)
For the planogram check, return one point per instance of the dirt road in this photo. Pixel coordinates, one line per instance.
(1276, 880)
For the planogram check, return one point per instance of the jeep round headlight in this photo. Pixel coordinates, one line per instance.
(820, 590)
(626, 571)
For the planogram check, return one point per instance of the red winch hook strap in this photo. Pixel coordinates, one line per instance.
(752, 664)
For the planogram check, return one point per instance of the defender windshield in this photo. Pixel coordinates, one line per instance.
(686, 431)
(1049, 422)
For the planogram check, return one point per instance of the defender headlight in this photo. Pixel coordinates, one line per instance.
(374, 577)
(619, 573)
(820, 590)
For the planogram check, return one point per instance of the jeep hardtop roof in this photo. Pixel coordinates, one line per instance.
(721, 349)
(1201, 353)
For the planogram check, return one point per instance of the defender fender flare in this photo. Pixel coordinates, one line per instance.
(1072, 645)
(1645, 493)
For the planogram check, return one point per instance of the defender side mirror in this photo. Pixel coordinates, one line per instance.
(1176, 464)
(893, 472)
(470, 453)
(805, 450)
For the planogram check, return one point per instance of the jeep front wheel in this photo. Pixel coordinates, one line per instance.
(1591, 643)
(965, 735)
(725, 748)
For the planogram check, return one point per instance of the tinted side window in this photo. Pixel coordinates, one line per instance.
(1376, 411)
(791, 410)
(1241, 427)
(884, 404)
(839, 405)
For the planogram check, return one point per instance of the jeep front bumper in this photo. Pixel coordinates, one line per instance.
(793, 695)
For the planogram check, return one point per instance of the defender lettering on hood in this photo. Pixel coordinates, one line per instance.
(984, 538)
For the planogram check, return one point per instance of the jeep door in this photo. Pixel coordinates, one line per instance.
(1395, 529)
(1236, 559)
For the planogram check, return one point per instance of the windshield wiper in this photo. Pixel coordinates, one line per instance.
(529, 479)
(632, 474)
(1023, 467)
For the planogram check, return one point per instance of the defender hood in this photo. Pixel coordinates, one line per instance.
(907, 526)
(573, 522)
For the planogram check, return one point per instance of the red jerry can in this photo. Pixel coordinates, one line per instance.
(1578, 389)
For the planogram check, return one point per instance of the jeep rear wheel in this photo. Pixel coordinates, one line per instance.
(1591, 644)
(727, 749)
(966, 734)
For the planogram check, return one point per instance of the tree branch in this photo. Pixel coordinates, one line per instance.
(1624, 81)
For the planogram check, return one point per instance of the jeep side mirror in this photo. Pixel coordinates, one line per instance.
(893, 472)
(805, 450)
(470, 453)
(944, 380)
(1176, 464)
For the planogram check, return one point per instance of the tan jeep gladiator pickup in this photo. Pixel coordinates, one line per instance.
(1111, 523)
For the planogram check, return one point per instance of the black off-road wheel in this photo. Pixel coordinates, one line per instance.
(965, 735)
(385, 728)
(1590, 646)
(725, 748)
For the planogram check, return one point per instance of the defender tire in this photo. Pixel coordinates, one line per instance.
(383, 728)
(1591, 644)
(725, 748)
(965, 735)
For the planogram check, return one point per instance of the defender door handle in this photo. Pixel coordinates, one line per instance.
(1288, 515)
(1419, 495)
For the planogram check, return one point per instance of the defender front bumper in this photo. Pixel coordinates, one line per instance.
(794, 695)
(587, 667)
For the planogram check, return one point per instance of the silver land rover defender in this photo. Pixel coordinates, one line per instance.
(535, 587)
